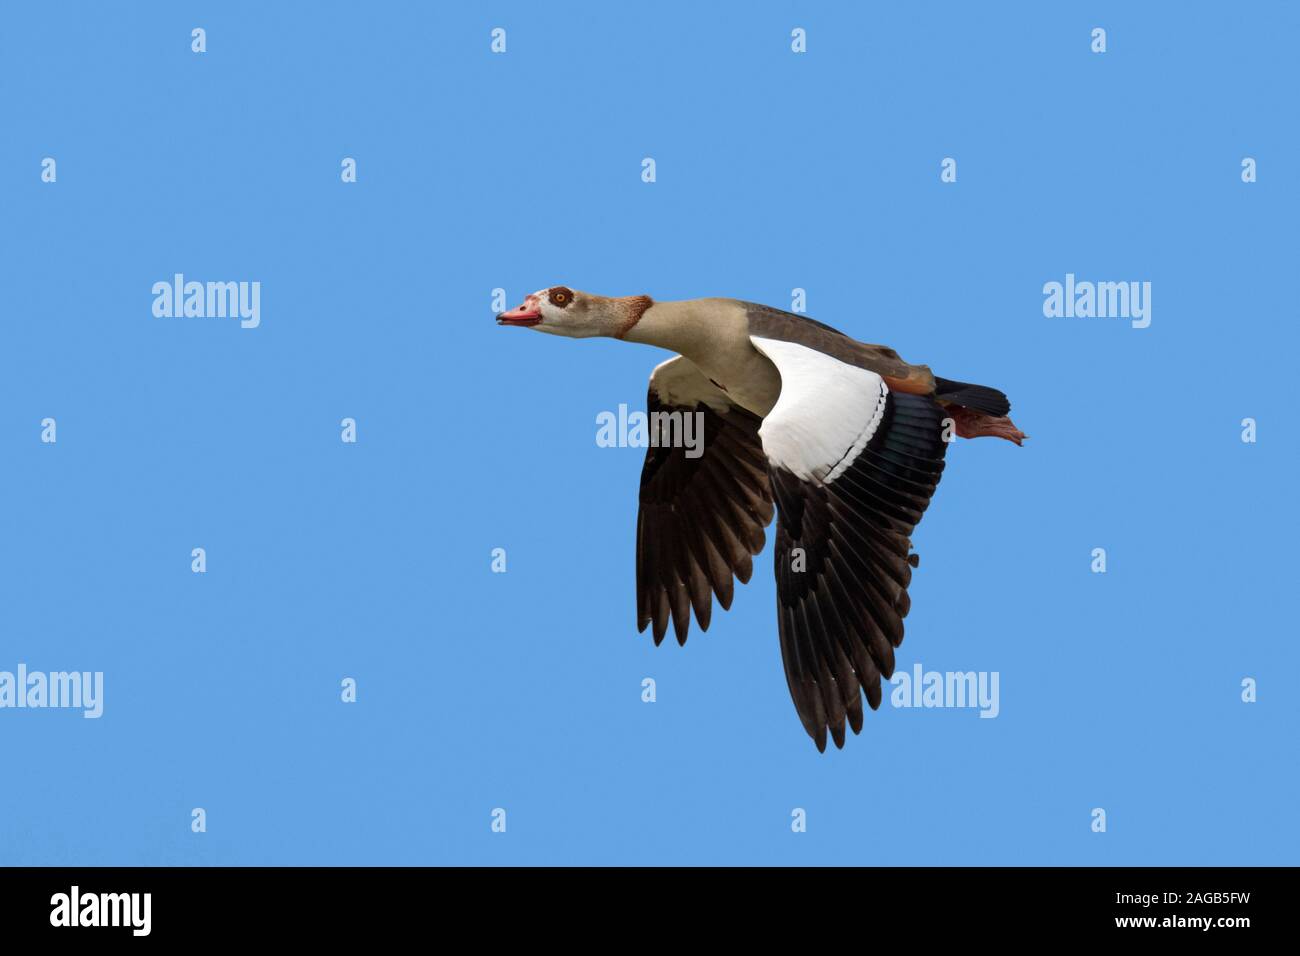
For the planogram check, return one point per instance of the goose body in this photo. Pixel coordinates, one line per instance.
(842, 441)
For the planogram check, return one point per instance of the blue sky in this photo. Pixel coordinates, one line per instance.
(522, 690)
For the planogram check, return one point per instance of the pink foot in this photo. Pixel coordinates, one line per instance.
(973, 424)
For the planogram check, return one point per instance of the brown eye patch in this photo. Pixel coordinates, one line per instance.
(560, 296)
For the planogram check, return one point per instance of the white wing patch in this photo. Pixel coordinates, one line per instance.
(825, 415)
(678, 381)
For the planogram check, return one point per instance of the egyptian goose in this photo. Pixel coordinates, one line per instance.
(844, 440)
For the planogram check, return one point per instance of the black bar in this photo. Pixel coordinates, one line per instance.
(238, 904)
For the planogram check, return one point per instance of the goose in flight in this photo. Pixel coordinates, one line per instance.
(843, 440)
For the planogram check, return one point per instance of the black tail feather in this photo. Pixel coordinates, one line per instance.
(979, 397)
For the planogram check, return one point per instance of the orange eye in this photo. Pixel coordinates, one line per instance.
(560, 297)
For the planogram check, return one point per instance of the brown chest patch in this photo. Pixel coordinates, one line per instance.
(632, 307)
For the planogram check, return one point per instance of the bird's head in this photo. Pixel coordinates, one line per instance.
(560, 310)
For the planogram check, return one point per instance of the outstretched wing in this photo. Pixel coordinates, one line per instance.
(703, 508)
(853, 465)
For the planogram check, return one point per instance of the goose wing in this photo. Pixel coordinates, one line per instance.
(703, 509)
(852, 466)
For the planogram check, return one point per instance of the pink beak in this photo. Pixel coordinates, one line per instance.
(526, 315)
